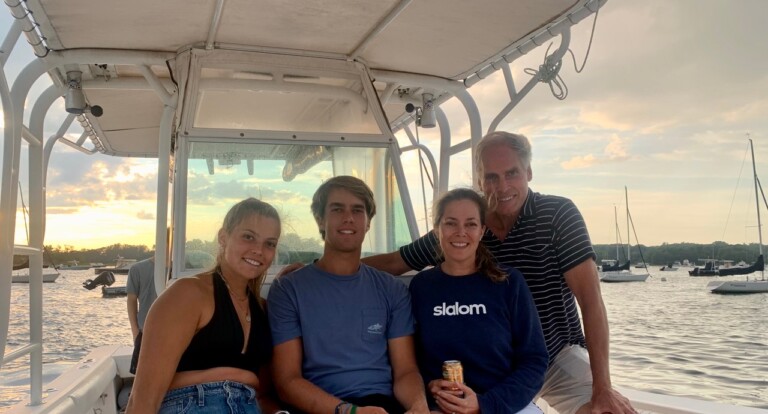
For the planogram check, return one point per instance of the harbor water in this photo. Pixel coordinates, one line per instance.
(669, 335)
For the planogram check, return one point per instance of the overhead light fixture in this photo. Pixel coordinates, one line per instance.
(425, 115)
(74, 99)
(428, 119)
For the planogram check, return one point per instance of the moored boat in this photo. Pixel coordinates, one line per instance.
(50, 274)
(710, 268)
(621, 274)
(122, 266)
(747, 286)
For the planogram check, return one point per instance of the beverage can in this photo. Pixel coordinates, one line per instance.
(453, 371)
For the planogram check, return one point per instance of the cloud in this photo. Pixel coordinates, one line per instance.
(62, 210)
(616, 149)
(144, 215)
(578, 162)
(76, 180)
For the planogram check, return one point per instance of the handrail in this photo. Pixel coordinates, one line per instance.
(34, 348)
(20, 352)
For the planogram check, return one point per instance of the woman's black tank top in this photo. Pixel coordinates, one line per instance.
(220, 342)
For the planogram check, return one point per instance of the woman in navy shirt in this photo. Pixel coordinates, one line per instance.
(470, 309)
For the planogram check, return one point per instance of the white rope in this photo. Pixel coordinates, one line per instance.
(549, 72)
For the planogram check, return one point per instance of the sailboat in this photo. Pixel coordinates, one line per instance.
(610, 265)
(624, 274)
(746, 286)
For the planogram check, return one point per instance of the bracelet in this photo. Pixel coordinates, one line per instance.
(338, 410)
(354, 408)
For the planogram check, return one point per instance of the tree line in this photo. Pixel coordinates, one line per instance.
(671, 252)
(294, 246)
(59, 255)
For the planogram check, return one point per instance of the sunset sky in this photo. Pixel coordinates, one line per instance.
(663, 106)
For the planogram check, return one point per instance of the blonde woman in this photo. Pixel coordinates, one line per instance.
(207, 344)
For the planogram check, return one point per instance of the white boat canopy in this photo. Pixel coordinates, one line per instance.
(453, 43)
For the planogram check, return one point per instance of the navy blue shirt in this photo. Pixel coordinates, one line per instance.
(548, 239)
(491, 327)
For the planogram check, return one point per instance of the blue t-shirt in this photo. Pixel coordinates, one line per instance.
(344, 323)
(492, 328)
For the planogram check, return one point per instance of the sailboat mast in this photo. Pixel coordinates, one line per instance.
(757, 196)
(616, 228)
(629, 240)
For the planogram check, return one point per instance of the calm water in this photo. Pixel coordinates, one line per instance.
(671, 337)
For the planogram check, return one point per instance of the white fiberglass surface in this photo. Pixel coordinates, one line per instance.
(286, 176)
(275, 101)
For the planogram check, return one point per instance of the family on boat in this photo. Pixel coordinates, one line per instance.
(343, 335)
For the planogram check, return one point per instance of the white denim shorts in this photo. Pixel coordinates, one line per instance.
(568, 382)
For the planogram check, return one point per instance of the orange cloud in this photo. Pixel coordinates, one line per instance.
(579, 162)
(615, 150)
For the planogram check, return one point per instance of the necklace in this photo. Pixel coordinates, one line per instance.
(238, 300)
(232, 292)
(238, 306)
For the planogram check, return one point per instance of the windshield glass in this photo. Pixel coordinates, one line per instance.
(219, 175)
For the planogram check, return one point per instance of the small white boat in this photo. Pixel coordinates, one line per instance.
(74, 265)
(738, 286)
(121, 266)
(669, 268)
(746, 286)
(619, 274)
(50, 274)
(623, 276)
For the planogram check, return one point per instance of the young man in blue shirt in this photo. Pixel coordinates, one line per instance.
(342, 331)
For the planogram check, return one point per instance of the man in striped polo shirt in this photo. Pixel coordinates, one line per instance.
(545, 237)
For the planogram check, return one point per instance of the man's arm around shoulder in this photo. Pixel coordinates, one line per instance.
(391, 263)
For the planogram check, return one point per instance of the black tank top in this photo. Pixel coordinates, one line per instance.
(220, 342)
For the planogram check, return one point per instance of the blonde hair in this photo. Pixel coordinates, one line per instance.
(235, 216)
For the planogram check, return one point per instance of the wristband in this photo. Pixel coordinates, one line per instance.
(338, 410)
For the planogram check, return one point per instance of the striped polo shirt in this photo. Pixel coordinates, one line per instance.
(548, 239)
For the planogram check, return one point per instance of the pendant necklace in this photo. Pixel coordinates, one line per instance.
(238, 299)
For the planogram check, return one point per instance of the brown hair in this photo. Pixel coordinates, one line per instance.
(235, 216)
(354, 185)
(484, 261)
